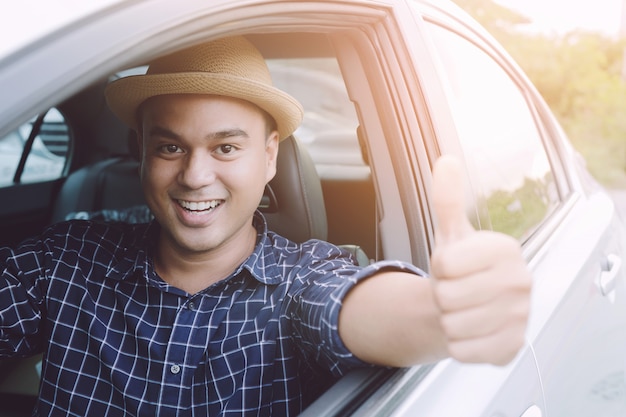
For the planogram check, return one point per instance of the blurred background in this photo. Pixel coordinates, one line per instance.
(575, 54)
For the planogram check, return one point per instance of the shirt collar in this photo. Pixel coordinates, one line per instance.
(262, 263)
(135, 252)
(136, 256)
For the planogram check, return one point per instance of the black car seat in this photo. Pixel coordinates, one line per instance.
(111, 185)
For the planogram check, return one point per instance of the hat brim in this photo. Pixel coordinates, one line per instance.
(125, 95)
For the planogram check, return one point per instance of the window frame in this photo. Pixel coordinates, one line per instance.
(547, 126)
(515, 94)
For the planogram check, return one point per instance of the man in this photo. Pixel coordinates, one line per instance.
(204, 311)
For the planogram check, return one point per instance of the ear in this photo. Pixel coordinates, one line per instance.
(271, 154)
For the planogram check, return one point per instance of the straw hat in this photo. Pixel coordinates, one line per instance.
(230, 67)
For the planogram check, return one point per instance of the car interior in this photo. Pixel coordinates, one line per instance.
(304, 201)
(387, 87)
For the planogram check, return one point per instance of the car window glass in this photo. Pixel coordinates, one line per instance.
(509, 167)
(329, 131)
(329, 126)
(46, 158)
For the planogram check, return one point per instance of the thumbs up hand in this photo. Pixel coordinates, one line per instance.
(481, 281)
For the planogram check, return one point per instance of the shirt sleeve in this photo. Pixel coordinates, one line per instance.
(318, 302)
(22, 273)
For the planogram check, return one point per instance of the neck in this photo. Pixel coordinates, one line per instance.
(194, 271)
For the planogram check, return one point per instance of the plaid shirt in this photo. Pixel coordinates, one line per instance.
(118, 340)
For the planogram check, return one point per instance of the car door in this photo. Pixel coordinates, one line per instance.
(529, 183)
(406, 122)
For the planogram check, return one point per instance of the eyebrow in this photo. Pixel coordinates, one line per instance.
(220, 134)
(228, 133)
(163, 132)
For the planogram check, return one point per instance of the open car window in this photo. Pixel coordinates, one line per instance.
(511, 172)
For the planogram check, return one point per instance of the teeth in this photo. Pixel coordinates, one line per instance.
(199, 205)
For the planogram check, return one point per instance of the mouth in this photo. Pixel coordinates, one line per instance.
(199, 206)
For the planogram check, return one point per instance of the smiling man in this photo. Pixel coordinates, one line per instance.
(206, 312)
(205, 160)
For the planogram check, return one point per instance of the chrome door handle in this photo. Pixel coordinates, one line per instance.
(608, 278)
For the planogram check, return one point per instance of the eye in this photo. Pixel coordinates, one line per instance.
(225, 149)
(169, 149)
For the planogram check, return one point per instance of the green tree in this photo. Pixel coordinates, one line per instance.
(579, 75)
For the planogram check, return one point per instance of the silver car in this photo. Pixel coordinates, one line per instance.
(387, 87)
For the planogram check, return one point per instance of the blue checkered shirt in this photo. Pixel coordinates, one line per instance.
(118, 340)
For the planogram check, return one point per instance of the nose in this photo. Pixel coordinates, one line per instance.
(198, 170)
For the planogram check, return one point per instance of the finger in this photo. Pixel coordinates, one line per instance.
(467, 282)
(484, 320)
(497, 348)
(449, 200)
(463, 293)
(487, 250)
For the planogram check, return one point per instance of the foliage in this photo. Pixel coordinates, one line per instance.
(517, 213)
(580, 76)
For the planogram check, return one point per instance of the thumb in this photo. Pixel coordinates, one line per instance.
(449, 201)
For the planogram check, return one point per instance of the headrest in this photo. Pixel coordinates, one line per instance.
(293, 203)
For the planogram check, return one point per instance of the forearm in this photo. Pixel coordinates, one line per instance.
(391, 319)
(474, 309)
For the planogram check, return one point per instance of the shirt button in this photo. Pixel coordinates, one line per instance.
(191, 306)
(174, 369)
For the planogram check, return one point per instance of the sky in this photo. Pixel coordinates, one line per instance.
(561, 16)
(24, 20)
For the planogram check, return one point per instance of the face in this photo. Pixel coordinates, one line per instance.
(205, 161)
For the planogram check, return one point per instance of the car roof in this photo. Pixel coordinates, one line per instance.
(44, 66)
(25, 22)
